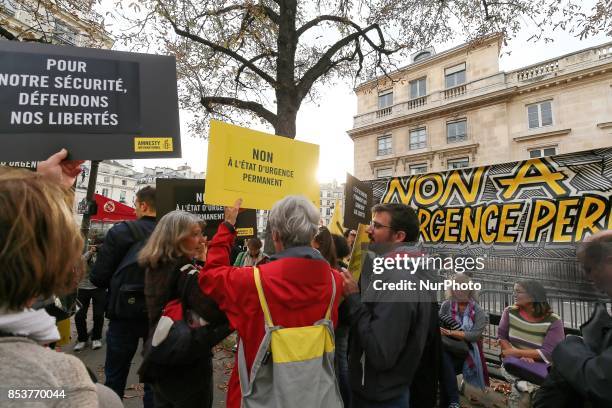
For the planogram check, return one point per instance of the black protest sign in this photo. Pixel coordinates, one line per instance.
(358, 202)
(188, 195)
(98, 104)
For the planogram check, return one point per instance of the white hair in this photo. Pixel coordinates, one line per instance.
(295, 219)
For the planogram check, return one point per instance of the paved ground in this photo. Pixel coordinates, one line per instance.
(223, 361)
(94, 359)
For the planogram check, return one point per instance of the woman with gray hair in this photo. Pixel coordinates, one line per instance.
(176, 241)
(462, 320)
(297, 282)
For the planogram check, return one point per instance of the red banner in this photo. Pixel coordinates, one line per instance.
(112, 211)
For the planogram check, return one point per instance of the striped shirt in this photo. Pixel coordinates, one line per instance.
(542, 336)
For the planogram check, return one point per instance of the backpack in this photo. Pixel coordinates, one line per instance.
(294, 367)
(127, 299)
(181, 337)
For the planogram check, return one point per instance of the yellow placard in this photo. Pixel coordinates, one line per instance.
(336, 223)
(258, 167)
(245, 232)
(63, 326)
(357, 254)
(153, 144)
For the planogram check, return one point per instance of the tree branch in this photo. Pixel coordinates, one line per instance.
(217, 47)
(325, 63)
(362, 32)
(486, 9)
(320, 19)
(252, 60)
(256, 108)
(271, 14)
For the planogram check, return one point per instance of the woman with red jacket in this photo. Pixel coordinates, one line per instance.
(296, 280)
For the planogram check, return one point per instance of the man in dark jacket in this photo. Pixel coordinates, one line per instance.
(123, 335)
(582, 366)
(395, 346)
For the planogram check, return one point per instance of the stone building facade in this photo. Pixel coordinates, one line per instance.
(51, 22)
(456, 109)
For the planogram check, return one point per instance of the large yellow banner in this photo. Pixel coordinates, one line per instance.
(258, 167)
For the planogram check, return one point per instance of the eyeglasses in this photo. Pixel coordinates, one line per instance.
(378, 225)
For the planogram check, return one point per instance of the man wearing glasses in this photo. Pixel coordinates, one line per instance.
(395, 343)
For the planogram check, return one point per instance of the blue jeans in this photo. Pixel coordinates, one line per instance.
(448, 381)
(122, 338)
(403, 401)
(342, 370)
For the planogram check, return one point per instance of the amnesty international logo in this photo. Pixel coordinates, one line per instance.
(153, 144)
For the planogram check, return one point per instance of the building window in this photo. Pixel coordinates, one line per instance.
(418, 88)
(122, 196)
(385, 99)
(107, 179)
(8, 7)
(64, 34)
(418, 169)
(539, 114)
(422, 55)
(456, 131)
(105, 192)
(124, 182)
(458, 163)
(418, 138)
(382, 173)
(545, 151)
(384, 145)
(454, 76)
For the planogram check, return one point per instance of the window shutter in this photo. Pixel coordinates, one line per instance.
(456, 68)
(422, 85)
(449, 81)
(546, 110)
(532, 113)
(550, 151)
(414, 89)
(461, 128)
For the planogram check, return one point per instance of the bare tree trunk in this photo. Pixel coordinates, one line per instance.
(287, 116)
(91, 189)
(287, 104)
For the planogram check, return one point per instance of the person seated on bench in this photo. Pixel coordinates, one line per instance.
(461, 320)
(528, 333)
(581, 375)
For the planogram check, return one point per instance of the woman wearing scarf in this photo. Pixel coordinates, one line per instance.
(469, 321)
(40, 245)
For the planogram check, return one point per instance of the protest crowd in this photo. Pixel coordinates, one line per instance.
(309, 332)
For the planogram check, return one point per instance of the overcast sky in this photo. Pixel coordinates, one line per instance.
(326, 122)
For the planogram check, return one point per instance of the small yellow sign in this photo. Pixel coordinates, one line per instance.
(153, 144)
(258, 167)
(245, 232)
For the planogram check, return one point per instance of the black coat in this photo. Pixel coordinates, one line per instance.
(401, 344)
(582, 372)
(117, 242)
